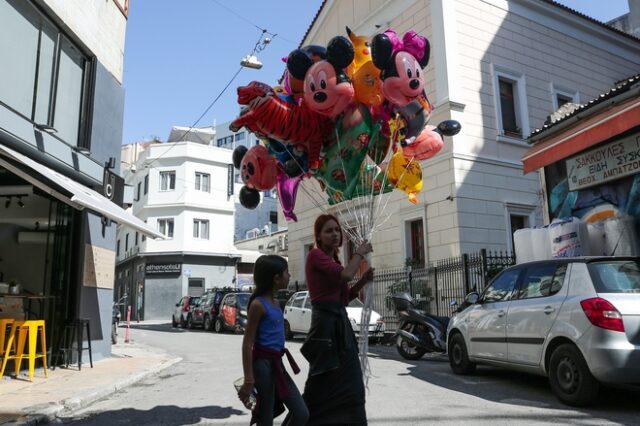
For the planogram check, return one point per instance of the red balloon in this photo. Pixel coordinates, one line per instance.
(259, 169)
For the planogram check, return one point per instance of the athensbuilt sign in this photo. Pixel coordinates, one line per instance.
(609, 162)
(156, 269)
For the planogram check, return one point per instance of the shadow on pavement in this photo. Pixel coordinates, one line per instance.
(513, 387)
(167, 415)
(164, 327)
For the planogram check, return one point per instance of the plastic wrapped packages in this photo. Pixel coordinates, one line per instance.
(569, 238)
(541, 243)
(523, 245)
(621, 236)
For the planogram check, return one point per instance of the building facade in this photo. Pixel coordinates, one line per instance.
(499, 68)
(61, 109)
(182, 189)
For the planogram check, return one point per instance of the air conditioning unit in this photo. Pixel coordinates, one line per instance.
(252, 233)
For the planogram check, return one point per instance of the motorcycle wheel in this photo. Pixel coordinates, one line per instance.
(114, 333)
(409, 350)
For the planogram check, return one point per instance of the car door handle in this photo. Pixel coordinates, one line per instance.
(501, 314)
(549, 310)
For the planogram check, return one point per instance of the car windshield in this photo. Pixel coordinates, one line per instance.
(616, 276)
(194, 301)
(243, 299)
(356, 303)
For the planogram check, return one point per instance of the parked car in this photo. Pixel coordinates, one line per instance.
(233, 313)
(576, 321)
(297, 316)
(282, 296)
(182, 311)
(205, 312)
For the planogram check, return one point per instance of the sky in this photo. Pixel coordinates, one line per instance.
(180, 55)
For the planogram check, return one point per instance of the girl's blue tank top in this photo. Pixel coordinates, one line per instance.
(271, 328)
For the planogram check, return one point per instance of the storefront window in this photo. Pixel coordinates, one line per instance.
(30, 47)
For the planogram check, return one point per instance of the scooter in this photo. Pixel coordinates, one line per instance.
(419, 332)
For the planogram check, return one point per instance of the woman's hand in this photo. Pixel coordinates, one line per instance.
(367, 277)
(364, 248)
(245, 392)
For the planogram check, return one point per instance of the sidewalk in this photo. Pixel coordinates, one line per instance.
(29, 403)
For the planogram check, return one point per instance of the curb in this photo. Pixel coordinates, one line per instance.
(49, 412)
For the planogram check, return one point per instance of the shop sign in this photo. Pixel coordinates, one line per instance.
(604, 164)
(156, 269)
(230, 179)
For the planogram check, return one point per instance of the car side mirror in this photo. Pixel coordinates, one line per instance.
(177, 304)
(472, 298)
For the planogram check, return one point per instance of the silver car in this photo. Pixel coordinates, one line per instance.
(575, 320)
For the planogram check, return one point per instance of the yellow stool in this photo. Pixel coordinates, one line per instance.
(32, 328)
(4, 323)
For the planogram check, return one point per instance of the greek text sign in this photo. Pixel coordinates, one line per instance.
(609, 162)
(163, 268)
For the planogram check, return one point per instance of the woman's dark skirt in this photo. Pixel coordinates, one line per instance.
(337, 396)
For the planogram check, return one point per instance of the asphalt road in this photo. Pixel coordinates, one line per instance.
(199, 391)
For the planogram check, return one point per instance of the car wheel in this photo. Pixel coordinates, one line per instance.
(190, 322)
(409, 350)
(174, 323)
(207, 323)
(288, 334)
(183, 322)
(570, 378)
(218, 326)
(459, 357)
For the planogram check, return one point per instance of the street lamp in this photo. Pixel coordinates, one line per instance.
(251, 61)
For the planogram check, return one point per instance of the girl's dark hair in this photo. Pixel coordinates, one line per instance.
(317, 229)
(264, 271)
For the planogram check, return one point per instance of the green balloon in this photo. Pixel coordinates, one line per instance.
(342, 173)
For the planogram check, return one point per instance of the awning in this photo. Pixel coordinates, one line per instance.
(80, 197)
(566, 143)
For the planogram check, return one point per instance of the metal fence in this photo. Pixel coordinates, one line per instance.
(436, 285)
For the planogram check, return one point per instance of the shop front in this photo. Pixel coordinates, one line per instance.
(590, 162)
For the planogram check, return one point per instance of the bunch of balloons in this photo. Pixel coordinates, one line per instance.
(352, 115)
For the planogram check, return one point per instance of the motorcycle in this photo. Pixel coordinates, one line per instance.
(115, 319)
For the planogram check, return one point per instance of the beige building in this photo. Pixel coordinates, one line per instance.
(498, 67)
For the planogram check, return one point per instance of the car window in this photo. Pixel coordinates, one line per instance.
(298, 300)
(243, 299)
(290, 301)
(356, 303)
(542, 281)
(502, 287)
(194, 300)
(616, 276)
(307, 303)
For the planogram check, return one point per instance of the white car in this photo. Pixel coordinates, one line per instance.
(575, 320)
(297, 316)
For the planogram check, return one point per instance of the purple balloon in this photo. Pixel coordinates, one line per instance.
(287, 188)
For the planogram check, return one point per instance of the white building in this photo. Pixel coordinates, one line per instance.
(181, 188)
(266, 214)
(498, 67)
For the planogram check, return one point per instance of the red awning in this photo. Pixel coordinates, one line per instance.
(564, 144)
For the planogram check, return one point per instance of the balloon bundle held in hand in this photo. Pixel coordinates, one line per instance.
(352, 116)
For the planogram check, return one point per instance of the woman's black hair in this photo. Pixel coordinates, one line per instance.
(266, 268)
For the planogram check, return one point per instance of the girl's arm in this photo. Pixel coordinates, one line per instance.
(256, 311)
(352, 267)
(367, 277)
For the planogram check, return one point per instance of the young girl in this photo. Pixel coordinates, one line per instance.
(263, 348)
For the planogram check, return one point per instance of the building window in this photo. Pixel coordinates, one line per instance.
(137, 236)
(165, 227)
(44, 74)
(224, 141)
(167, 181)
(196, 286)
(146, 184)
(562, 95)
(118, 248)
(240, 136)
(139, 191)
(518, 217)
(273, 217)
(126, 243)
(144, 237)
(416, 242)
(511, 103)
(202, 181)
(201, 229)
